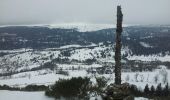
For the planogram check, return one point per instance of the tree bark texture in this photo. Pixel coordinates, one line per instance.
(118, 46)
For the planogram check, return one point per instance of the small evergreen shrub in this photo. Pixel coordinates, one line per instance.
(67, 88)
(35, 88)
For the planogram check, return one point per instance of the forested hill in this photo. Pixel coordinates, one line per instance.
(141, 40)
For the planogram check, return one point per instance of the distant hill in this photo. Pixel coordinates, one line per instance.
(139, 39)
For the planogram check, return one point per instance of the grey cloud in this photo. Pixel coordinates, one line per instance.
(83, 11)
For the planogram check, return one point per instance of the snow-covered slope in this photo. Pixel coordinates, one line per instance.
(45, 77)
(75, 60)
(76, 55)
(81, 27)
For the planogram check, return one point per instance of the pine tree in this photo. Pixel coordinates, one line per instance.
(166, 90)
(159, 90)
(146, 90)
(152, 92)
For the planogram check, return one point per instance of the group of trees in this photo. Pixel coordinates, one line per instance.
(151, 92)
(47, 65)
(27, 88)
(158, 91)
(42, 37)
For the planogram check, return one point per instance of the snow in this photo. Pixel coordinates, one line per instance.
(82, 27)
(25, 60)
(147, 37)
(143, 78)
(82, 66)
(44, 77)
(140, 98)
(76, 46)
(40, 79)
(165, 58)
(19, 95)
(21, 60)
(96, 98)
(146, 45)
(69, 46)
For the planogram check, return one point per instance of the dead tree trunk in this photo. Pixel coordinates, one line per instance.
(118, 46)
(118, 91)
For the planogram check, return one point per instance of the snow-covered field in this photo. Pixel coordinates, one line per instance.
(26, 59)
(140, 79)
(140, 98)
(19, 95)
(35, 78)
(165, 58)
(19, 60)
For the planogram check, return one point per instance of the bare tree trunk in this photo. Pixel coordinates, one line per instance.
(118, 46)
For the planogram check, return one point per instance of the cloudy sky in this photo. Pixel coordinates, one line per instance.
(27, 12)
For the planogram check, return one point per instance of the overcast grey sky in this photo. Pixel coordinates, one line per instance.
(18, 12)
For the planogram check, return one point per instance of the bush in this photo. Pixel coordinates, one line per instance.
(35, 88)
(74, 87)
(27, 88)
(6, 87)
(62, 72)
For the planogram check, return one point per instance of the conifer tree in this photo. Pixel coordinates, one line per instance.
(152, 91)
(146, 90)
(159, 90)
(166, 90)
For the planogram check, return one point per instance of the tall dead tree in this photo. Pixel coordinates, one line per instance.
(118, 46)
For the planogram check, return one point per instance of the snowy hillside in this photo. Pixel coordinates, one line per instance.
(27, 66)
(46, 77)
(43, 55)
(71, 55)
(84, 50)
